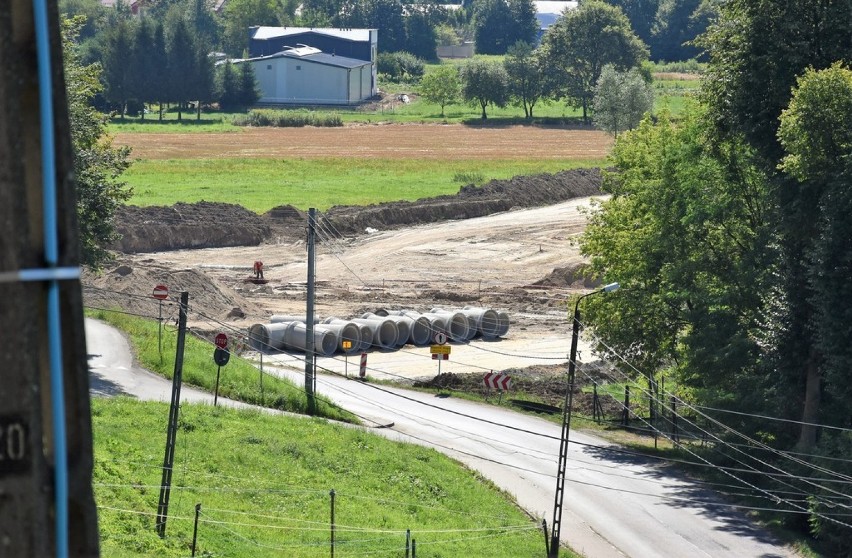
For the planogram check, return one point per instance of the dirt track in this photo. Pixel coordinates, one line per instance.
(421, 141)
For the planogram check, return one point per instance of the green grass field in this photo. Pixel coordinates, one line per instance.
(264, 485)
(261, 184)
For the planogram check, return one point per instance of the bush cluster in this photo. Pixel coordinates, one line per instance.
(287, 119)
(400, 66)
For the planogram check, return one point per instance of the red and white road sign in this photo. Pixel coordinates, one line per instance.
(440, 338)
(221, 340)
(497, 380)
(363, 371)
(161, 292)
(436, 356)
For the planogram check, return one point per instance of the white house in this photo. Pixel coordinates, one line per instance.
(307, 76)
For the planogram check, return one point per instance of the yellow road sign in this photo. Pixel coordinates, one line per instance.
(347, 344)
(440, 349)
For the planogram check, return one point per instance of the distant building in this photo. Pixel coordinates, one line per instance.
(307, 76)
(134, 5)
(547, 12)
(358, 44)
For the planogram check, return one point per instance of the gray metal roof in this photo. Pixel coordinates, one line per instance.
(263, 32)
(318, 58)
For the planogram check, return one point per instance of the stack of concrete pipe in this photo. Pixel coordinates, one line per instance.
(291, 336)
(383, 329)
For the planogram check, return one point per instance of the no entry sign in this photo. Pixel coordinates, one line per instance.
(161, 292)
(221, 340)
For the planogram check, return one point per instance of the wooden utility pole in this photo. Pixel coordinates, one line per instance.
(28, 480)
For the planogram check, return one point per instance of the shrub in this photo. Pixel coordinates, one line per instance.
(400, 66)
(288, 119)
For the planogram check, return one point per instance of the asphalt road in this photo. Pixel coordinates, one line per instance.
(615, 505)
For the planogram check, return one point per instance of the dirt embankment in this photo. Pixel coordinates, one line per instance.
(216, 225)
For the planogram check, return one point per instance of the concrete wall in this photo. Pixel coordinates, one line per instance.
(455, 51)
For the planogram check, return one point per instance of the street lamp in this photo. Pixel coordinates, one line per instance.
(566, 424)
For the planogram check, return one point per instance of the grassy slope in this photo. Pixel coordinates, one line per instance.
(238, 380)
(267, 480)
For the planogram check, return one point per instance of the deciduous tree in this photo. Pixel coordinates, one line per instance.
(526, 72)
(484, 83)
(583, 41)
(97, 164)
(441, 86)
(621, 99)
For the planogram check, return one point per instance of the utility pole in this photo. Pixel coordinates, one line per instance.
(310, 369)
(46, 503)
(171, 429)
(566, 424)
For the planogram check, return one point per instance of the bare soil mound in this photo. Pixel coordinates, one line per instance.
(216, 225)
(188, 225)
(471, 201)
(119, 288)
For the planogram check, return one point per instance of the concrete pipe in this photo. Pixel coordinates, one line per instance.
(381, 312)
(325, 342)
(267, 337)
(383, 330)
(403, 330)
(366, 337)
(344, 331)
(472, 330)
(455, 323)
(419, 328)
(281, 318)
(487, 320)
(502, 324)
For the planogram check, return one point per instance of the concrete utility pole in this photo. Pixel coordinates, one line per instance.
(172, 428)
(310, 369)
(34, 423)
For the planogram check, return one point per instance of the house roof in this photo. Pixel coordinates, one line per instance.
(265, 33)
(316, 56)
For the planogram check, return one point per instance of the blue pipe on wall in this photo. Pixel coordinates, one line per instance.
(51, 256)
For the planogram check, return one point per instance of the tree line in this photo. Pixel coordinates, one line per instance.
(145, 60)
(587, 54)
(730, 231)
(666, 26)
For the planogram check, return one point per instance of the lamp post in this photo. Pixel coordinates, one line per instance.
(566, 424)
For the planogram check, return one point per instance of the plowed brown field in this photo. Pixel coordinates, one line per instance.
(403, 141)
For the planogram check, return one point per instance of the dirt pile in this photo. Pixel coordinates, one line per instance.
(217, 225)
(471, 201)
(129, 288)
(188, 225)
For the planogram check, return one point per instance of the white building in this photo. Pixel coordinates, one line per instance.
(307, 76)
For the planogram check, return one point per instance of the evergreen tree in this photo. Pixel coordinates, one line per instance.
(159, 79)
(117, 74)
(183, 68)
(229, 88)
(248, 91)
(142, 64)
